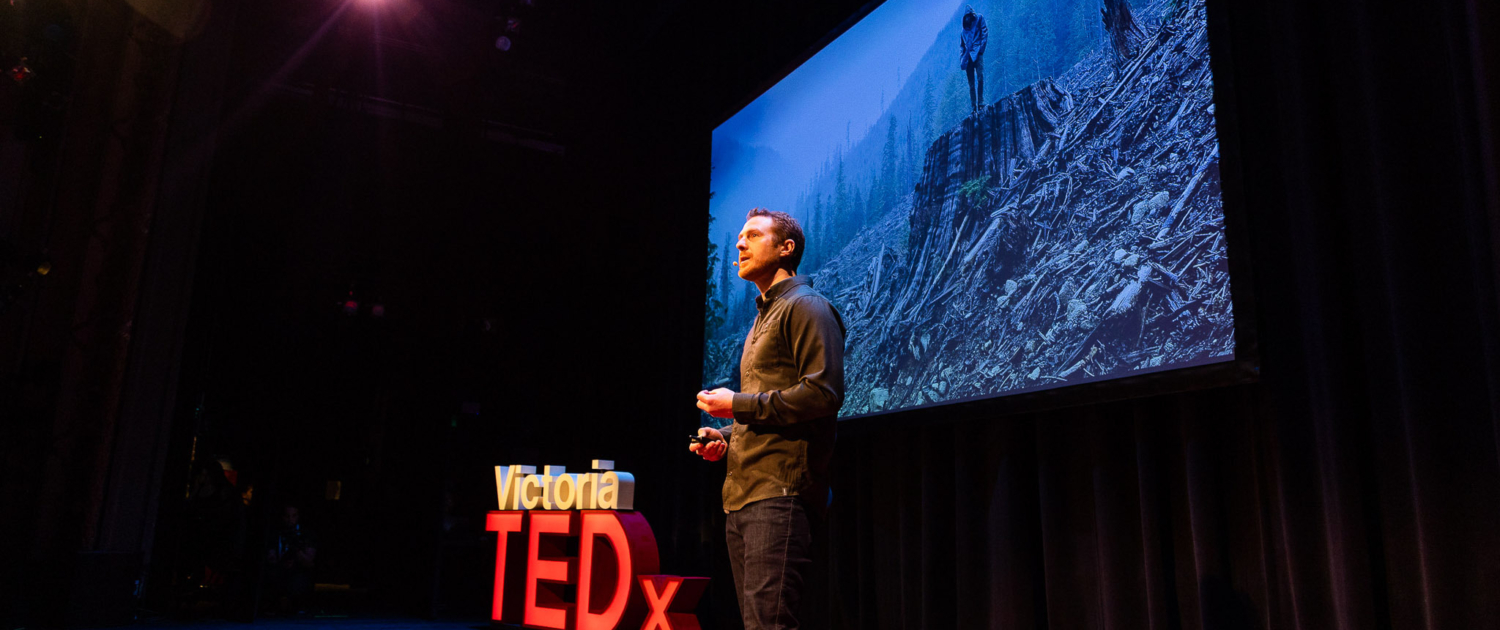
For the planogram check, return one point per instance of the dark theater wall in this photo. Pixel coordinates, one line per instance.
(1354, 486)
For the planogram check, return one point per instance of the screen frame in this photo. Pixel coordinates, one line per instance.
(1243, 369)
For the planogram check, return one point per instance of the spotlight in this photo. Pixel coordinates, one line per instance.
(513, 25)
(502, 43)
(351, 307)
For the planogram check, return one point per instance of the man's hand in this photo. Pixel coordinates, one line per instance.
(714, 450)
(718, 403)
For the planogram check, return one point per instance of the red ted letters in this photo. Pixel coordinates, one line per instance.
(612, 567)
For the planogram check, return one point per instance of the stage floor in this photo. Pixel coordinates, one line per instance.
(314, 622)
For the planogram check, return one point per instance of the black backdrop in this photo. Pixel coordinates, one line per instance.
(1353, 486)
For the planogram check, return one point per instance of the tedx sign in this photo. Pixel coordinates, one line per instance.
(571, 554)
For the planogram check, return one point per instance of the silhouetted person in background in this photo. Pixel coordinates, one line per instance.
(213, 542)
(290, 553)
(971, 43)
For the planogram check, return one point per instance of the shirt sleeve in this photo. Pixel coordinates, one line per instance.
(816, 336)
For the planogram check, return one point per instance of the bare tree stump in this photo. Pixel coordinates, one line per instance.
(1121, 26)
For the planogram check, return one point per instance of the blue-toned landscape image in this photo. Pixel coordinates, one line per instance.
(997, 196)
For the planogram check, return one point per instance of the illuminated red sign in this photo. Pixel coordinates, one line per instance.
(586, 570)
(672, 599)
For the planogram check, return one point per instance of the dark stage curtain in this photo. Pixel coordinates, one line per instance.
(1356, 485)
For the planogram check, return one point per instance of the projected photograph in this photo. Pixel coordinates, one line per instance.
(998, 197)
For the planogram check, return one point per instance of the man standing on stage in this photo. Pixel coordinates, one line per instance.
(971, 44)
(781, 442)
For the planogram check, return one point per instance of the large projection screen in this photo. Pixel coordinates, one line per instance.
(1068, 228)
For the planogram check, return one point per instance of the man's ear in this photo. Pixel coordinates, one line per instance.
(787, 247)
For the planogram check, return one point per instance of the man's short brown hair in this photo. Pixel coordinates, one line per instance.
(786, 228)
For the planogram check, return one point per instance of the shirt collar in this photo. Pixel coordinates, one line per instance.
(780, 288)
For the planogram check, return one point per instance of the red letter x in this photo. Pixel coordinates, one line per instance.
(672, 600)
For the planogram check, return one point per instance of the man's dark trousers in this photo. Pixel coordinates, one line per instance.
(975, 70)
(770, 552)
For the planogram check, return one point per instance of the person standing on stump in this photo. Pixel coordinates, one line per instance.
(976, 35)
(781, 442)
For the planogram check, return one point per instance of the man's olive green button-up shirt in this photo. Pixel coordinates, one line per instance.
(791, 388)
